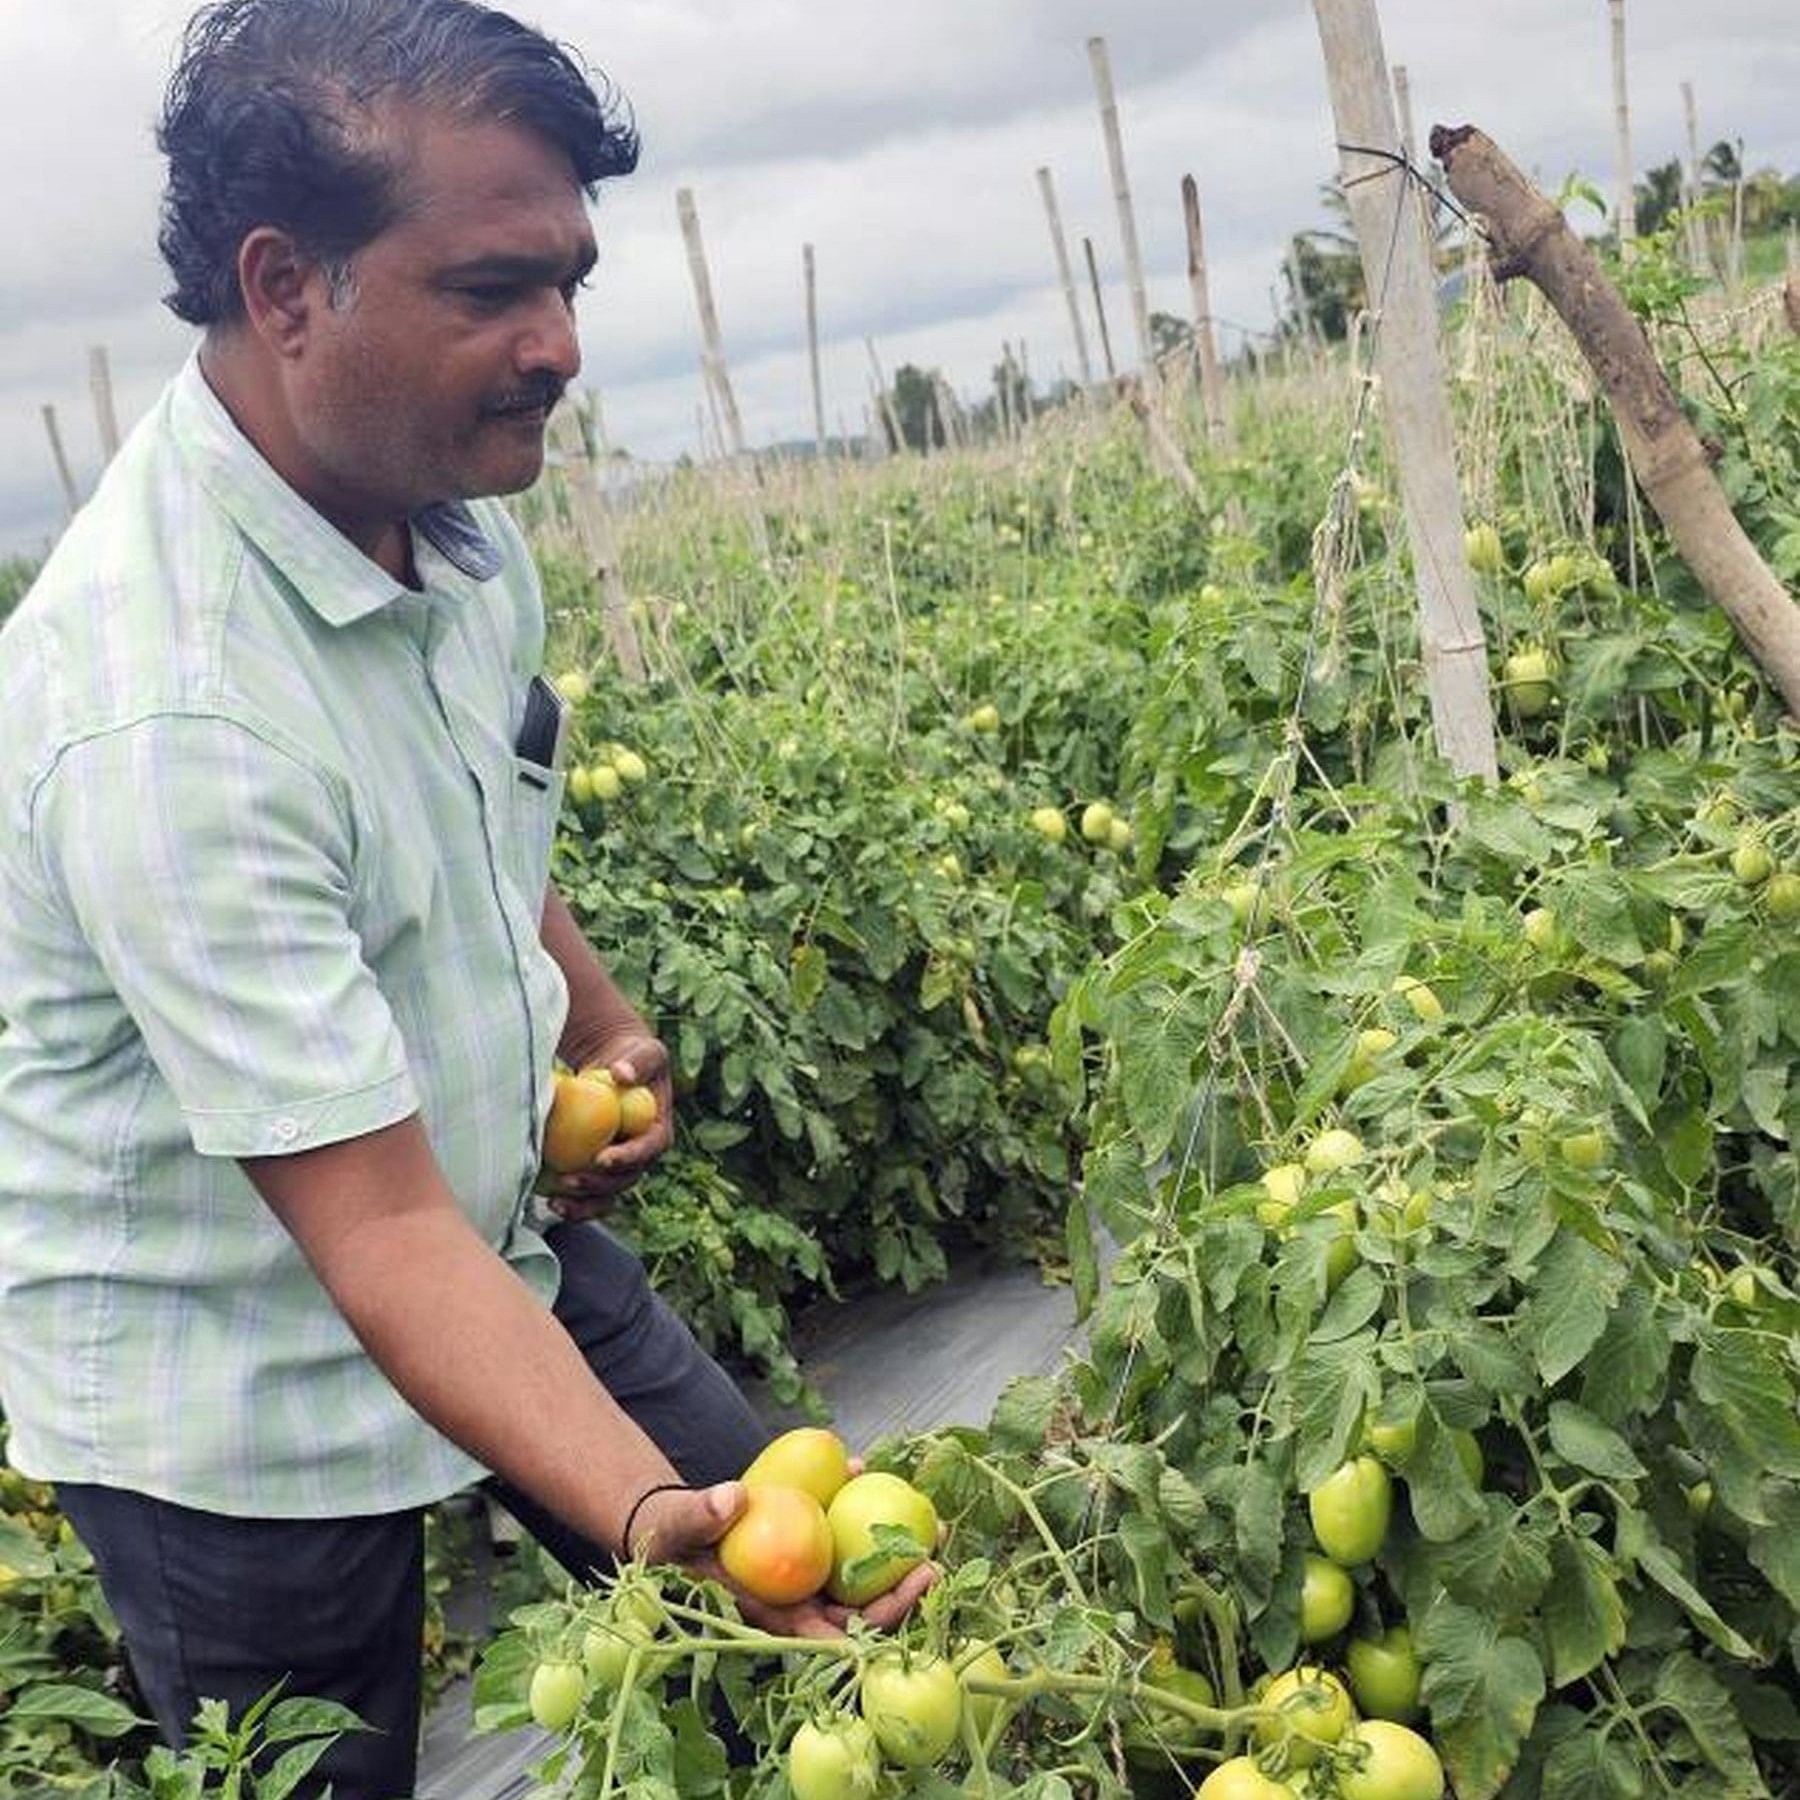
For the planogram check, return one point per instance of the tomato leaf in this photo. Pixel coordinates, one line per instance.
(1582, 1440)
(1573, 1289)
(1584, 1616)
(100, 1715)
(1483, 1690)
(1688, 1688)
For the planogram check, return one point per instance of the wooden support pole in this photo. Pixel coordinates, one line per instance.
(1128, 238)
(1206, 347)
(1734, 258)
(1093, 269)
(1047, 188)
(1696, 226)
(598, 541)
(812, 346)
(1008, 425)
(106, 417)
(71, 494)
(1627, 197)
(1402, 287)
(1530, 237)
(718, 376)
(884, 399)
(1025, 382)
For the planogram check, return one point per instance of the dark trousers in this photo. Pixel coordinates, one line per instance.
(214, 1607)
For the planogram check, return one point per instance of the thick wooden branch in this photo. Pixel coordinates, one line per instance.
(1530, 238)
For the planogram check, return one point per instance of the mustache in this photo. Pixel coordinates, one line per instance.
(540, 395)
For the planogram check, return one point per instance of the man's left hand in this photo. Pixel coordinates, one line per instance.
(635, 1059)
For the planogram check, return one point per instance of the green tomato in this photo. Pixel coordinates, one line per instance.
(1782, 896)
(982, 1662)
(1699, 1499)
(1530, 682)
(1385, 1761)
(1541, 931)
(858, 1572)
(914, 1708)
(1364, 1064)
(1751, 863)
(606, 1649)
(630, 766)
(1096, 822)
(1392, 1439)
(1327, 1599)
(985, 718)
(1241, 1779)
(558, 1687)
(1049, 823)
(833, 1760)
(1385, 1675)
(1427, 1008)
(1587, 1150)
(1333, 1150)
(1315, 1704)
(1350, 1510)
(1481, 545)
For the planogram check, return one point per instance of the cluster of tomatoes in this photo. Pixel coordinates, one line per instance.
(588, 1111)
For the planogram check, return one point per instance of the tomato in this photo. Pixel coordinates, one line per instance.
(604, 780)
(629, 765)
(1385, 1675)
(572, 684)
(607, 1648)
(637, 1111)
(1283, 1184)
(1782, 896)
(1049, 821)
(1333, 1150)
(913, 1707)
(1241, 1779)
(809, 1458)
(557, 1690)
(1096, 821)
(985, 718)
(1392, 1439)
(1340, 1253)
(1388, 1762)
(1118, 837)
(779, 1549)
(581, 785)
(1427, 1008)
(1751, 863)
(859, 1572)
(1742, 1289)
(833, 1760)
(949, 865)
(584, 1116)
(1699, 1499)
(1541, 930)
(1327, 1599)
(1371, 1046)
(982, 1662)
(1529, 682)
(1350, 1510)
(1586, 1150)
(1314, 1704)
(1481, 545)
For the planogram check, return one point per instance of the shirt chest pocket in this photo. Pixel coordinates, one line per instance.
(534, 806)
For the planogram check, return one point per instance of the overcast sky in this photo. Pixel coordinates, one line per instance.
(900, 140)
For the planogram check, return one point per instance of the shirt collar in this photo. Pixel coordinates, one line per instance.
(331, 574)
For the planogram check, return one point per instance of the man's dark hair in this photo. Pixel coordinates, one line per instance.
(273, 117)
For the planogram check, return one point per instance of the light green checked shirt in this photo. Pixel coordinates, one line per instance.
(271, 876)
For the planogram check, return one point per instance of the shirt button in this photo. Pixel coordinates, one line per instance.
(286, 1130)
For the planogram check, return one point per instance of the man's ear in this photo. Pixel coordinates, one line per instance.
(281, 289)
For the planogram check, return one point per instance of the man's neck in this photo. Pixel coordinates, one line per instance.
(258, 409)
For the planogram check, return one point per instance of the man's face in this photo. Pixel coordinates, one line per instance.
(435, 381)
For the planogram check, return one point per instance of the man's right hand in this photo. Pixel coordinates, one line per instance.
(684, 1526)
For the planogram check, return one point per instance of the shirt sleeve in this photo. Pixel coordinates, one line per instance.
(211, 873)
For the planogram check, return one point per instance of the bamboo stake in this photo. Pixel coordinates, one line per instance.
(1530, 238)
(1128, 239)
(1206, 349)
(884, 399)
(1627, 199)
(1734, 260)
(596, 414)
(1409, 359)
(1007, 423)
(1025, 382)
(1696, 226)
(65, 475)
(101, 387)
(1093, 269)
(710, 388)
(1047, 188)
(1410, 144)
(812, 347)
(719, 377)
(599, 543)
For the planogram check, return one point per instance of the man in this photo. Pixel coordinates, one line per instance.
(281, 972)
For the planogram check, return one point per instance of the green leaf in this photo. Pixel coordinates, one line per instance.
(1146, 1545)
(1641, 1050)
(97, 1714)
(1023, 1413)
(1084, 1261)
(1584, 1618)
(1639, 1544)
(1444, 1501)
(1746, 1377)
(1587, 1764)
(1571, 1293)
(1483, 1691)
(1583, 1441)
(1691, 1690)
(807, 973)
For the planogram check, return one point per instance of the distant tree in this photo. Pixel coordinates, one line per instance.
(1658, 196)
(915, 407)
(1169, 334)
(16, 574)
(1721, 166)
(1330, 284)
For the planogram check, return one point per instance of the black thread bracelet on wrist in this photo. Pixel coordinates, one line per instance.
(662, 1487)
